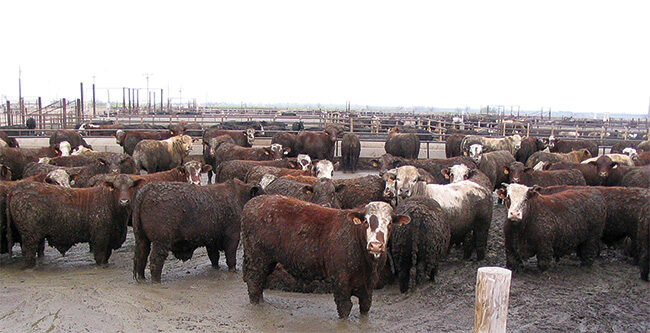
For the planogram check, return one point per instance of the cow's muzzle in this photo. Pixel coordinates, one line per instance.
(376, 248)
(124, 202)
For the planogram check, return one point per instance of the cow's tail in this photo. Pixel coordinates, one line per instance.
(7, 237)
(415, 237)
(136, 224)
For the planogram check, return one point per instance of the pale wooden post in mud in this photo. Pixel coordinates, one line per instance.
(492, 295)
(351, 124)
(528, 130)
(504, 129)
(552, 129)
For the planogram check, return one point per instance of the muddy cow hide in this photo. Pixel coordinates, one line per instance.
(567, 146)
(181, 217)
(40, 211)
(238, 169)
(221, 151)
(257, 172)
(432, 166)
(129, 139)
(287, 140)
(469, 208)
(350, 150)
(242, 138)
(190, 173)
(528, 147)
(644, 146)
(318, 145)
(491, 163)
(16, 159)
(618, 147)
(551, 226)
(520, 174)
(418, 247)
(589, 171)
(80, 176)
(346, 247)
(124, 161)
(509, 143)
(72, 136)
(322, 192)
(571, 157)
(160, 155)
(453, 145)
(405, 145)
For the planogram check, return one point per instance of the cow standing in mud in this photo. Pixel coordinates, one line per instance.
(316, 243)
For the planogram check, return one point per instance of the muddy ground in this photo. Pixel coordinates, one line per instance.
(71, 294)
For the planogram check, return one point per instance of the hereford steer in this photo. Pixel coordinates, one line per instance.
(551, 226)
(432, 166)
(459, 172)
(180, 217)
(160, 155)
(418, 247)
(124, 161)
(39, 211)
(227, 151)
(520, 174)
(405, 145)
(491, 163)
(312, 242)
(469, 208)
(528, 147)
(324, 169)
(70, 136)
(621, 159)
(288, 140)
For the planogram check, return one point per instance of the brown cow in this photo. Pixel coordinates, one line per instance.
(257, 172)
(238, 169)
(287, 140)
(129, 139)
(71, 136)
(226, 151)
(313, 242)
(405, 145)
(520, 174)
(16, 159)
(161, 155)
(576, 156)
(39, 211)
(190, 172)
(8, 142)
(318, 145)
(614, 174)
(432, 166)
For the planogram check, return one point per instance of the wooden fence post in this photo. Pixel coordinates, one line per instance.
(492, 296)
(40, 114)
(351, 124)
(528, 130)
(63, 116)
(8, 113)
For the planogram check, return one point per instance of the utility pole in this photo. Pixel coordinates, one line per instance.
(20, 92)
(148, 75)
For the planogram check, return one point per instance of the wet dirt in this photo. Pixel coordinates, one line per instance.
(72, 294)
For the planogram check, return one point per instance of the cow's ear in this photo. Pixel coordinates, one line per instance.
(586, 153)
(506, 170)
(287, 150)
(501, 193)
(256, 190)
(340, 187)
(292, 164)
(614, 165)
(527, 169)
(401, 219)
(357, 217)
(336, 165)
(267, 151)
(445, 172)
(102, 161)
(4, 170)
(533, 191)
(138, 182)
(205, 168)
(307, 189)
(109, 185)
(375, 163)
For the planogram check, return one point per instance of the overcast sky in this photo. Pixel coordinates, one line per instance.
(569, 55)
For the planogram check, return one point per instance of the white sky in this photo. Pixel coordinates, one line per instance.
(583, 56)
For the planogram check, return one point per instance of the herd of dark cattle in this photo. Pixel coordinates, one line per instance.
(353, 235)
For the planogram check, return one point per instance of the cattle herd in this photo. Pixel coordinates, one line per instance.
(353, 235)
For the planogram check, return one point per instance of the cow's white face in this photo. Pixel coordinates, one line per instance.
(476, 152)
(516, 199)
(305, 161)
(516, 141)
(551, 141)
(377, 216)
(79, 150)
(390, 190)
(324, 169)
(629, 151)
(193, 170)
(458, 172)
(407, 177)
(277, 152)
(65, 148)
(250, 136)
(266, 180)
(58, 177)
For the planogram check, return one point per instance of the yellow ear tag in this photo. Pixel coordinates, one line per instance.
(356, 220)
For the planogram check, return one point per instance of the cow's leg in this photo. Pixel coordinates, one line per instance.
(230, 249)
(481, 231)
(100, 251)
(256, 269)
(342, 294)
(468, 245)
(365, 299)
(544, 258)
(404, 274)
(210, 178)
(29, 249)
(589, 250)
(41, 249)
(142, 249)
(213, 254)
(157, 258)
